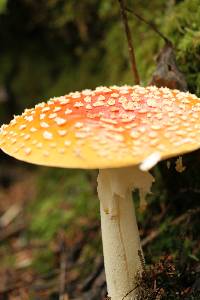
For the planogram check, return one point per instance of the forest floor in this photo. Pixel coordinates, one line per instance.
(50, 243)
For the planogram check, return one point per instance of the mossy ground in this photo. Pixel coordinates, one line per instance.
(65, 209)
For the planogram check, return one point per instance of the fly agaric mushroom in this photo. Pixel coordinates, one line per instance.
(123, 131)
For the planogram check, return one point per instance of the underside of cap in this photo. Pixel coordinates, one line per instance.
(105, 128)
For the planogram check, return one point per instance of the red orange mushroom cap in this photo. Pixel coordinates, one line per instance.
(105, 128)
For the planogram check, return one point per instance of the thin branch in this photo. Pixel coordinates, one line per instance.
(150, 24)
(130, 43)
(63, 266)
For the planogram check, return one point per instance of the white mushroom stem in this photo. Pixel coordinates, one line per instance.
(121, 242)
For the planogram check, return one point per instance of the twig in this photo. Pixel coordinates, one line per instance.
(11, 214)
(63, 266)
(11, 230)
(150, 24)
(127, 294)
(130, 43)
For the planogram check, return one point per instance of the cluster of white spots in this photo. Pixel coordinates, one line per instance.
(23, 126)
(114, 95)
(80, 135)
(27, 136)
(27, 150)
(57, 108)
(155, 126)
(83, 131)
(44, 124)
(13, 122)
(60, 121)
(46, 153)
(88, 106)
(67, 143)
(33, 129)
(142, 129)
(78, 124)
(116, 137)
(75, 95)
(28, 118)
(87, 128)
(47, 135)
(128, 105)
(124, 91)
(122, 99)
(103, 89)
(68, 111)
(154, 142)
(50, 102)
(39, 145)
(152, 102)
(45, 109)
(107, 143)
(111, 101)
(169, 108)
(63, 100)
(98, 103)
(196, 108)
(126, 117)
(129, 121)
(40, 105)
(107, 120)
(135, 134)
(143, 111)
(42, 116)
(88, 99)
(52, 116)
(101, 98)
(87, 92)
(62, 132)
(152, 134)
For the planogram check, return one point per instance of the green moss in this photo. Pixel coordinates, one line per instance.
(9, 259)
(63, 197)
(43, 261)
(182, 25)
(3, 4)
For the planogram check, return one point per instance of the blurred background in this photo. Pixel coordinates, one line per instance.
(50, 243)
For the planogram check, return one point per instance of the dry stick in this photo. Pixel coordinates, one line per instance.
(11, 214)
(63, 266)
(11, 230)
(130, 43)
(150, 24)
